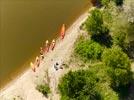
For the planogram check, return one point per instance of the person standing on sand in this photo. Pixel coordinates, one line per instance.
(41, 53)
(37, 61)
(53, 43)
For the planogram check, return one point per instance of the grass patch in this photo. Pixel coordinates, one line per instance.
(44, 89)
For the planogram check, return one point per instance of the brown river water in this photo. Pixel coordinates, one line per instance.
(26, 24)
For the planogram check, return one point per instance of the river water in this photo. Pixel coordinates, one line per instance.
(26, 24)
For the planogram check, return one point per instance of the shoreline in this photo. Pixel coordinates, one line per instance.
(23, 68)
(28, 74)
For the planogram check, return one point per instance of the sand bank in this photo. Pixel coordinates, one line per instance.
(24, 85)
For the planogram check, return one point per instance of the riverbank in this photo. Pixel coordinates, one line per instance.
(24, 85)
(33, 22)
(22, 67)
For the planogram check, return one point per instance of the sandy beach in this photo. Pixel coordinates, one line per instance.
(24, 87)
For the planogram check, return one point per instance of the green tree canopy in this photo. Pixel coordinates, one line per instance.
(96, 28)
(94, 22)
(118, 67)
(120, 39)
(120, 78)
(103, 84)
(116, 58)
(89, 49)
(89, 84)
(79, 85)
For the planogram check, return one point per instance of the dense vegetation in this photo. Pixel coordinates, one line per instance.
(89, 49)
(79, 85)
(120, 39)
(97, 29)
(90, 84)
(110, 76)
(119, 67)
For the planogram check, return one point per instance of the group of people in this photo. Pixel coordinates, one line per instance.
(45, 49)
(58, 66)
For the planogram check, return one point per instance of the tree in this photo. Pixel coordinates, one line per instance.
(95, 26)
(118, 67)
(120, 39)
(94, 22)
(120, 78)
(89, 49)
(89, 84)
(79, 85)
(116, 58)
(103, 84)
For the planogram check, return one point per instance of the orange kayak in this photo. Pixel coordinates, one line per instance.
(63, 31)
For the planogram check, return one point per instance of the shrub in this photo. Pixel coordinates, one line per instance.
(88, 49)
(79, 85)
(44, 89)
